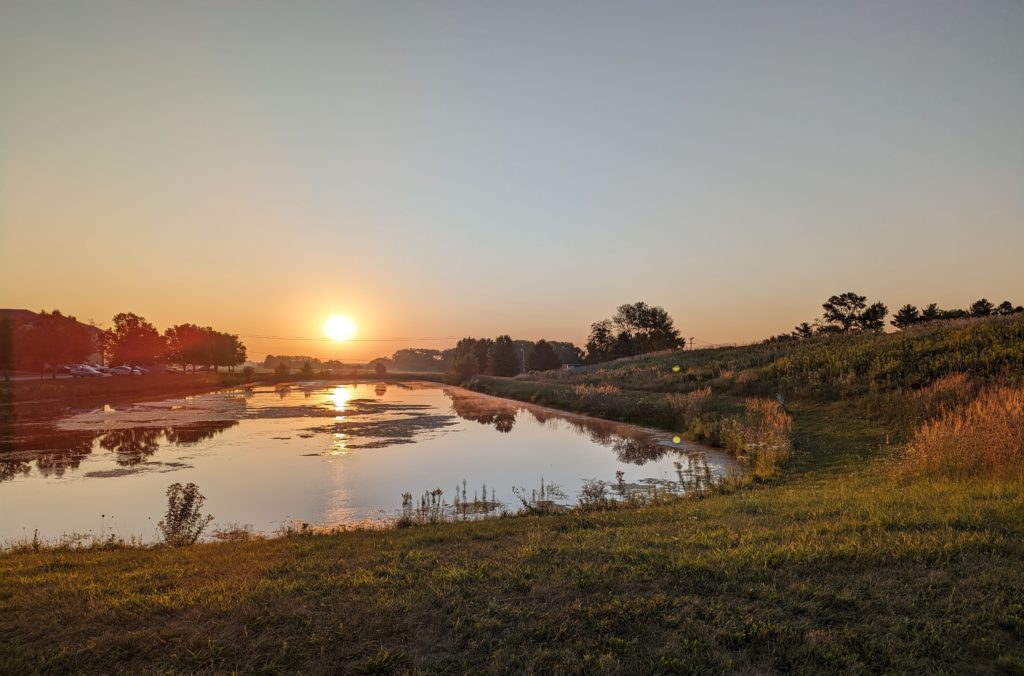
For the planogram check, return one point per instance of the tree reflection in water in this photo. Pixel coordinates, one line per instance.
(56, 451)
(484, 410)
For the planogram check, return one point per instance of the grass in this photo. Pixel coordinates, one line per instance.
(838, 562)
(860, 575)
(984, 437)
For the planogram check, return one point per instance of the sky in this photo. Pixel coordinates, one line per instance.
(438, 169)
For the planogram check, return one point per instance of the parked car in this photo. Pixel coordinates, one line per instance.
(98, 367)
(174, 368)
(140, 370)
(83, 371)
(122, 370)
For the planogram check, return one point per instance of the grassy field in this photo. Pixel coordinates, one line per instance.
(840, 563)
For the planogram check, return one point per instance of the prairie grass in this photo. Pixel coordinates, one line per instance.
(984, 438)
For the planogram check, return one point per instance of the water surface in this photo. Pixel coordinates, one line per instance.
(317, 453)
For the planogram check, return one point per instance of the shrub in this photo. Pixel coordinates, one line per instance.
(183, 523)
(983, 438)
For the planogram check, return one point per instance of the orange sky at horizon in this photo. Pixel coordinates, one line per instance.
(466, 169)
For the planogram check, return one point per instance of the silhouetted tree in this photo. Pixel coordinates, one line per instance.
(849, 311)
(908, 315)
(482, 351)
(542, 357)
(282, 369)
(1007, 308)
(649, 327)
(380, 369)
(501, 357)
(803, 330)
(465, 366)
(931, 312)
(982, 308)
(133, 340)
(307, 370)
(601, 341)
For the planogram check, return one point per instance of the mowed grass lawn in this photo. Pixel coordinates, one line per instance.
(824, 572)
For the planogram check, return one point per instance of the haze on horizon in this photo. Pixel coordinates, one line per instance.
(443, 169)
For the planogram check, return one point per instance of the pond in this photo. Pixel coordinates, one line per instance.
(320, 453)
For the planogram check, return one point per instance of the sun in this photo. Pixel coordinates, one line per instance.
(339, 328)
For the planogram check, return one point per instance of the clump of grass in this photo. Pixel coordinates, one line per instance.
(543, 501)
(690, 404)
(984, 438)
(766, 437)
(585, 391)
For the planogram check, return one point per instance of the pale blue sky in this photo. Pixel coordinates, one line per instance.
(454, 168)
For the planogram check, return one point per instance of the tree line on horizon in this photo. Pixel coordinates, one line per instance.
(51, 339)
(850, 312)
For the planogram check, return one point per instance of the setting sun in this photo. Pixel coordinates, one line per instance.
(339, 327)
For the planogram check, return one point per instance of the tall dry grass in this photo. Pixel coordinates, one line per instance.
(690, 404)
(984, 438)
(767, 436)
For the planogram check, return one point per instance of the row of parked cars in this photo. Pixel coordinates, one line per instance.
(97, 371)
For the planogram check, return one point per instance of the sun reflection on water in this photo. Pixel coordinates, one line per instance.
(340, 396)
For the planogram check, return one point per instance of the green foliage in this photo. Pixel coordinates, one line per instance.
(184, 521)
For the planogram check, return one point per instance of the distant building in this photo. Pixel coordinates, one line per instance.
(27, 318)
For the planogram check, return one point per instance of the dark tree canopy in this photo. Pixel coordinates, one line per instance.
(542, 357)
(908, 315)
(636, 328)
(849, 311)
(982, 308)
(133, 340)
(502, 359)
(803, 330)
(188, 344)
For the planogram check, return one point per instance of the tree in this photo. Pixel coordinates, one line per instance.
(133, 340)
(482, 351)
(1007, 308)
(227, 350)
(601, 341)
(542, 357)
(803, 330)
(649, 327)
(501, 357)
(52, 339)
(844, 310)
(307, 370)
(931, 312)
(908, 315)
(982, 308)
(873, 317)
(282, 369)
(849, 311)
(380, 369)
(465, 366)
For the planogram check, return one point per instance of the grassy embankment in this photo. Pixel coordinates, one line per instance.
(841, 563)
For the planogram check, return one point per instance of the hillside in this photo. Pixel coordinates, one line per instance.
(834, 558)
